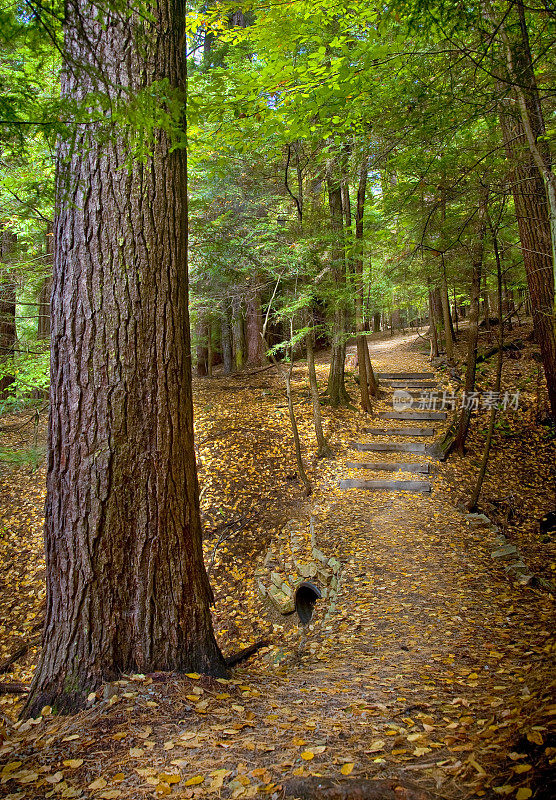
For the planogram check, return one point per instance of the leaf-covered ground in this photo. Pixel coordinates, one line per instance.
(432, 669)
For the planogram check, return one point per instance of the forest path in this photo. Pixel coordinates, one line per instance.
(428, 666)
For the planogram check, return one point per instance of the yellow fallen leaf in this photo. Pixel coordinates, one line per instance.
(503, 790)
(524, 793)
(473, 676)
(519, 768)
(46, 711)
(56, 778)
(170, 777)
(196, 780)
(11, 767)
(99, 783)
(376, 746)
(110, 794)
(298, 772)
(296, 741)
(347, 769)
(535, 737)
(136, 752)
(118, 736)
(72, 763)
(320, 749)
(193, 675)
(307, 755)
(118, 777)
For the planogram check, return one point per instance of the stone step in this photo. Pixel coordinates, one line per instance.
(406, 376)
(390, 447)
(424, 415)
(409, 384)
(399, 431)
(389, 466)
(384, 485)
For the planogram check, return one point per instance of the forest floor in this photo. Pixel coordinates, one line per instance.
(433, 673)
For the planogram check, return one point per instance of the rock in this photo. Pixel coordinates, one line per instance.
(319, 555)
(517, 566)
(307, 570)
(334, 564)
(262, 589)
(276, 579)
(478, 520)
(526, 580)
(507, 551)
(286, 590)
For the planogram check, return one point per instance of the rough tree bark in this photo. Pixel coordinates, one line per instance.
(126, 586)
(531, 177)
(7, 313)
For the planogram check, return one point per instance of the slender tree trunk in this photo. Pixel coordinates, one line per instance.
(323, 448)
(226, 343)
(201, 348)
(448, 333)
(7, 314)
(43, 327)
(210, 349)
(486, 304)
(360, 288)
(336, 388)
(433, 327)
(498, 382)
(371, 377)
(238, 338)
(254, 317)
(127, 590)
(473, 331)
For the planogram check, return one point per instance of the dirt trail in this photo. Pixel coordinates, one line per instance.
(432, 669)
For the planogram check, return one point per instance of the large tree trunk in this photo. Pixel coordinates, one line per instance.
(530, 200)
(7, 314)
(336, 388)
(126, 586)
